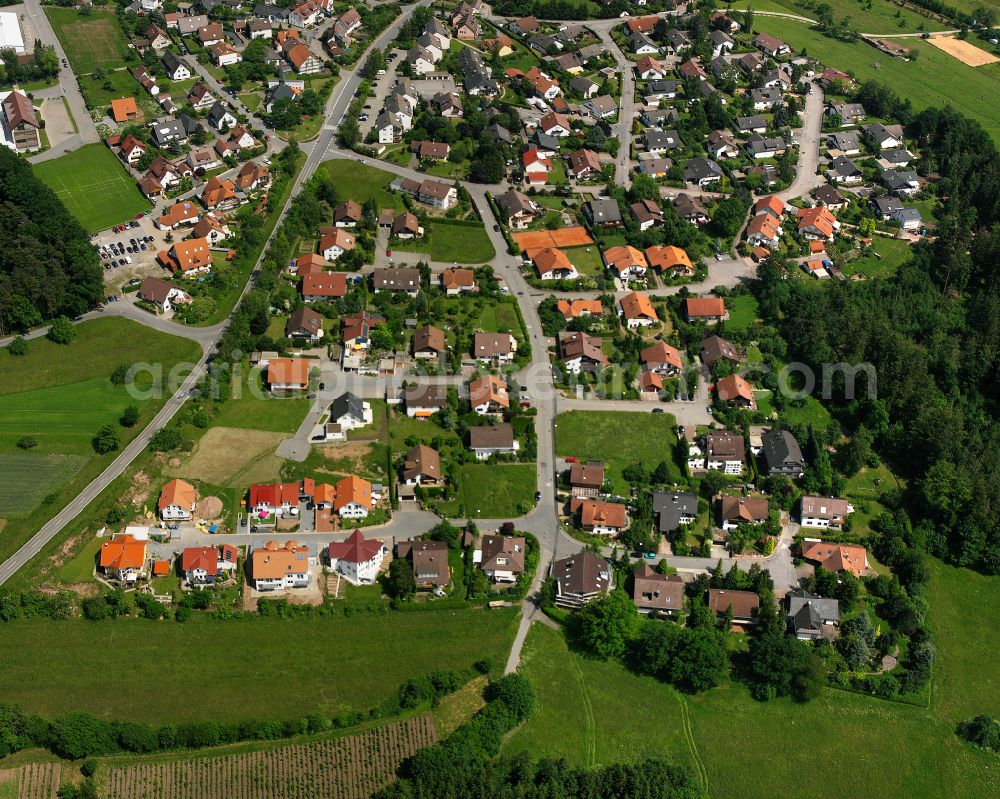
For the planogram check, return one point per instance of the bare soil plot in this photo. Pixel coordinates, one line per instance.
(575, 236)
(33, 781)
(232, 456)
(964, 51)
(344, 768)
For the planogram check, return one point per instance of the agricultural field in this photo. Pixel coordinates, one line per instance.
(32, 781)
(231, 456)
(89, 41)
(93, 186)
(619, 440)
(360, 182)
(47, 666)
(350, 767)
(26, 479)
(935, 79)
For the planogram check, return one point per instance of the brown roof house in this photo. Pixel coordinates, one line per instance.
(586, 479)
(825, 512)
(406, 226)
(581, 352)
(458, 281)
(423, 401)
(429, 560)
(304, 322)
(745, 605)
(501, 557)
(422, 466)
(497, 439)
(21, 121)
(653, 592)
(494, 347)
(716, 348)
(428, 342)
(397, 279)
(580, 578)
(488, 396)
(836, 557)
(737, 510)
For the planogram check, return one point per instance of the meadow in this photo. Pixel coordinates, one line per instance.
(448, 241)
(888, 256)
(934, 79)
(497, 490)
(877, 16)
(26, 478)
(89, 41)
(360, 182)
(174, 671)
(94, 187)
(742, 311)
(619, 440)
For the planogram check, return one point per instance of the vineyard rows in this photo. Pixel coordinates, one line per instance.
(34, 781)
(352, 767)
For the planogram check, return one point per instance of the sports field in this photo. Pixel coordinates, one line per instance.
(89, 41)
(94, 186)
(565, 237)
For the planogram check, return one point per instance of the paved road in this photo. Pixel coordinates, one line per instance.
(626, 113)
(807, 177)
(336, 104)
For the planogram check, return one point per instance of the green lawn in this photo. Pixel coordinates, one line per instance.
(875, 17)
(122, 84)
(361, 183)
(619, 440)
(94, 186)
(258, 410)
(934, 79)
(742, 311)
(462, 243)
(176, 671)
(587, 260)
(764, 406)
(500, 318)
(89, 41)
(100, 345)
(891, 254)
(594, 712)
(491, 491)
(962, 605)
(252, 100)
(402, 427)
(808, 411)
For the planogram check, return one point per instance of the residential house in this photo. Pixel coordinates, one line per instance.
(406, 226)
(177, 500)
(580, 578)
(219, 193)
(765, 99)
(885, 137)
(828, 196)
(782, 454)
(131, 149)
(346, 24)
(353, 498)
(586, 480)
(647, 213)
(734, 390)
(518, 209)
(488, 396)
(555, 124)
(221, 118)
(305, 323)
(584, 164)
(715, 349)
(653, 166)
(764, 230)
(302, 59)
(690, 209)
(201, 97)
(536, 166)
(200, 566)
(725, 451)
(182, 212)
(824, 512)
(429, 560)
(670, 261)
(811, 617)
(499, 347)
(845, 142)
(161, 294)
(602, 107)
(176, 68)
(571, 309)
(496, 439)
(600, 518)
(334, 242)
(817, 224)
(253, 177)
(721, 43)
(843, 170)
(626, 262)
(430, 150)
(423, 401)
(747, 125)
(397, 279)
(581, 352)
(603, 211)
(702, 171)
(501, 557)
(771, 45)
(765, 146)
(653, 592)
(743, 606)
(908, 218)
(836, 557)
(637, 311)
(422, 466)
(658, 141)
(455, 281)
(707, 309)
(287, 374)
(357, 559)
(322, 287)
(276, 567)
(20, 122)
(661, 358)
(224, 54)
(641, 44)
(428, 342)
(721, 144)
(524, 26)
(123, 109)
(674, 508)
(187, 258)
(123, 559)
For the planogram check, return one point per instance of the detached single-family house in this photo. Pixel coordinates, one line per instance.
(488, 396)
(428, 342)
(581, 352)
(429, 560)
(175, 67)
(637, 311)
(600, 518)
(580, 578)
(501, 557)
(422, 466)
(836, 557)
(744, 606)
(276, 567)
(423, 401)
(771, 45)
(725, 451)
(653, 592)
(123, 559)
(499, 347)
(495, 439)
(811, 617)
(734, 390)
(824, 512)
(353, 498)
(177, 501)
(586, 480)
(674, 508)
(357, 559)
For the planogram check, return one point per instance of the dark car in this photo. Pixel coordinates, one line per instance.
(538, 496)
(657, 410)
(322, 386)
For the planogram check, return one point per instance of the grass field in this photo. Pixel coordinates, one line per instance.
(500, 317)
(935, 79)
(361, 183)
(876, 17)
(742, 311)
(122, 85)
(587, 260)
(595, 712)
(94, 186)
(100, 345)
(236, 457)
(26, 479)
(619, 440)
(334, 663)
(893, 254)
(91, 41)
(464, 244)
(498, 490)
(809, 411)
(268, 413)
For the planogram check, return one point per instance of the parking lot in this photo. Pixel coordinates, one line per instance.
(143, 261)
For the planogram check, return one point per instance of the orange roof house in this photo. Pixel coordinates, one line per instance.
(764, 229)
(124, 109)
(772, 205)
(274, 565)
(553, 263)
(288, 374)
(177, 500)
(353, 497)
(489, 392)
(817, 223)
(650, 382)
(836, 557)
(187, 257)
(711, 309)
(669, 259)
(571, 309)
(309, 264)
(200, 559)
(323, 285)
(602, 517)
(625, 261)
(734, 389)
(123, 557)
(218, 192)
(161, 568)
(637, 310)
(661, 357)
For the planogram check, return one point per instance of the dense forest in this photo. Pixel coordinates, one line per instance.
(48, 267)
(932, 332)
